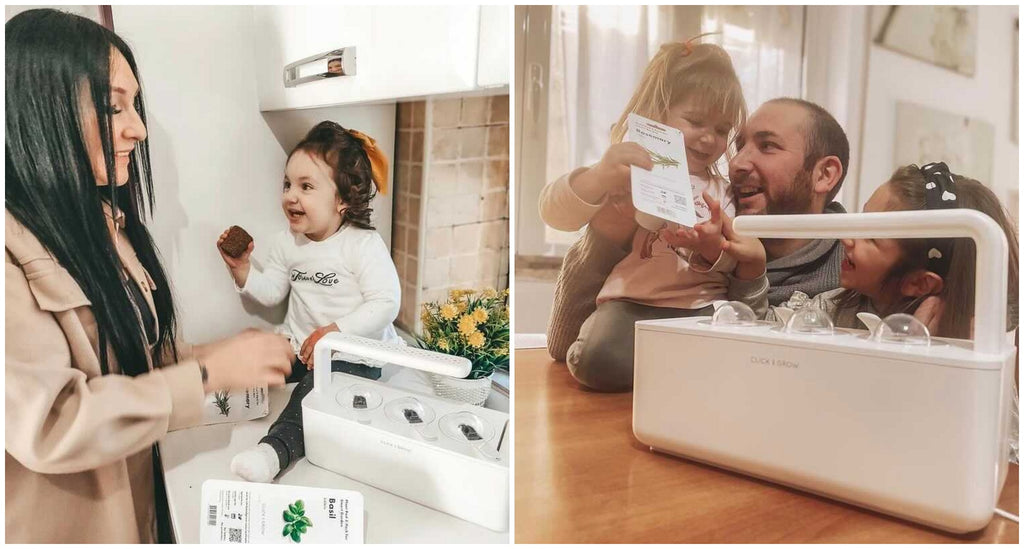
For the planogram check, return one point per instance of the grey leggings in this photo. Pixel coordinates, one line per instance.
(602, 356)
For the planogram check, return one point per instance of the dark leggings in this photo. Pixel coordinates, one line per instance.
(285, 435)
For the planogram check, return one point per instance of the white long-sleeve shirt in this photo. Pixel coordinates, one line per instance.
(348, 279)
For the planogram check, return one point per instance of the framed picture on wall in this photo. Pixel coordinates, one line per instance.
(946, 36)
(923, 135)
(100, 14)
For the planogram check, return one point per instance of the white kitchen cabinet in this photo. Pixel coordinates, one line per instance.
(402, 52)
(493, 66)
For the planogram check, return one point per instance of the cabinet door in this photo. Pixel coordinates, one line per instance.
(402, 51)
(425, 50)
(492, 61)
(285, 34)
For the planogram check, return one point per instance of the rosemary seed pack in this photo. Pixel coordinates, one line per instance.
(235, 406)
(664, 193)
(253, 512)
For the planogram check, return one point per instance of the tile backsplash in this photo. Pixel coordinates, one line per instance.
(451, 218)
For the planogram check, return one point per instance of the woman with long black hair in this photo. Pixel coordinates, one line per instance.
(94, 376)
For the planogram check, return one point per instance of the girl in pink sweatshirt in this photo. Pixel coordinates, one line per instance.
(667, 273)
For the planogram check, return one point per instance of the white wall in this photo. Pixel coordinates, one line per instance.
(216, 162)
(835, 44)
(894, 77)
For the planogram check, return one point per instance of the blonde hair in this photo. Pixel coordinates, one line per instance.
(682, 71)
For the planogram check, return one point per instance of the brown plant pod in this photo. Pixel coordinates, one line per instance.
(236, 242)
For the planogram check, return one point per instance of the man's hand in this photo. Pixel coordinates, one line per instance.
(929, 312)
(306, 352)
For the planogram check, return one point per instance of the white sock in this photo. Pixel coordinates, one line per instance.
(259, 464)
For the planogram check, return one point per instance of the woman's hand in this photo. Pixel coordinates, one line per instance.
(611, 174)
(748, 251)
(249, 359)
(306, 352)
(239, 266)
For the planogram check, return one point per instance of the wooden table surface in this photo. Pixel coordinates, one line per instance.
(581, 477)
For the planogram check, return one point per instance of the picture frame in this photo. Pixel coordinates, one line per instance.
(945, 36)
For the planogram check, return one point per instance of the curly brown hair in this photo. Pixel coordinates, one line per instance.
(350, 167)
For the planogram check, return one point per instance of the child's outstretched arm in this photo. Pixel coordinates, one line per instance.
(381, 293)
(749, 281)
(570, 201)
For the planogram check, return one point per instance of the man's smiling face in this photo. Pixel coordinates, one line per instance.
(767, 173)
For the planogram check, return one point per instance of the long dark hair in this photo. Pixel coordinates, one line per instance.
(51, 57)
(907, 186)
(350, 167)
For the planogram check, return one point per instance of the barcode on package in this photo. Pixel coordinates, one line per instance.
(211, 515)
(664, 211)
(681, 201)
(234, 535)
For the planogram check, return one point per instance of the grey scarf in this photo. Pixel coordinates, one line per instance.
(812, 269)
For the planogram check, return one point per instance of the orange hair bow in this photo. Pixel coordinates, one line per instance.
(378, 161)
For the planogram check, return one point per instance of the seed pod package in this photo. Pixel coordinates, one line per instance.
(252, 512)
(235, 406)
(663, 193)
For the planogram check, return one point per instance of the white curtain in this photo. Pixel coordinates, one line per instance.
(598, 54)
(766, 46)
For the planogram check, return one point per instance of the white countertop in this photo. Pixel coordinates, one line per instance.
(191, 456)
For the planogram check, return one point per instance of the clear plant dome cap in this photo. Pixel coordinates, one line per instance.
(359, 397)
(734, 313)
(901, 328)
(810, 320)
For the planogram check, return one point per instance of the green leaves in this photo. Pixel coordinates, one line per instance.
(221, 401)
(296, 521)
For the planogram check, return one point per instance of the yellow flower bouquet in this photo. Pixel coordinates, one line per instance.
(471, 324)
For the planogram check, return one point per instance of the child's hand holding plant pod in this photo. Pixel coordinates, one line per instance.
(234, 256)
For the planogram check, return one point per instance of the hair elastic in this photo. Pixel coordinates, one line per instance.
(689, 47)
(940, 194)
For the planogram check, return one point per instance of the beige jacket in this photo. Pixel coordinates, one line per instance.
(78, 443)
